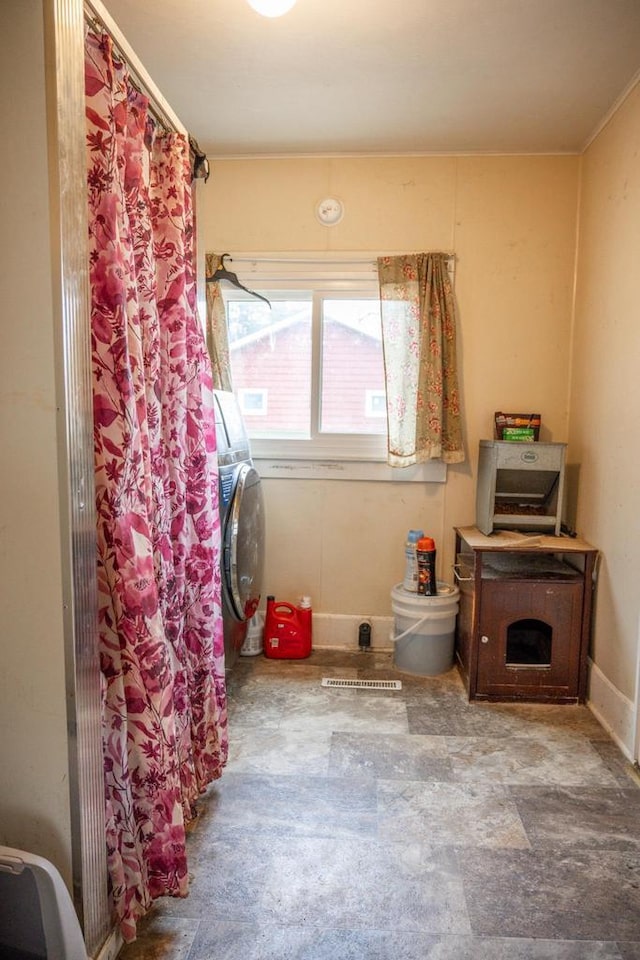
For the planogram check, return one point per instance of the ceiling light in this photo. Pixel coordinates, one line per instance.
(271, 8)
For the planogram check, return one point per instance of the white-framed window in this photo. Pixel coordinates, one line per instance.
(316, 354)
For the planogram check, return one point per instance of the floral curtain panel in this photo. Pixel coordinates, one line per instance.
(419, 345)
(160, 622)
(217, 337)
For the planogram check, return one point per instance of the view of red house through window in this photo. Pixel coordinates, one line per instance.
(278, 354)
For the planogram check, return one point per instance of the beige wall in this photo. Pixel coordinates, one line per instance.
(606, 386)
(34, 770)
(511, 222)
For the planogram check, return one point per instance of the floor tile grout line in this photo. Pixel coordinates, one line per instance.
(460, 853)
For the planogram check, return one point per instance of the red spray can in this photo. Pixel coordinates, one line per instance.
(287, 629)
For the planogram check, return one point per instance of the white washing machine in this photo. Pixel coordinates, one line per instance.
(242, 524)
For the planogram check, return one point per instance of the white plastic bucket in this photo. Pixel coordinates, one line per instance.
(424, 630)
(254, 640)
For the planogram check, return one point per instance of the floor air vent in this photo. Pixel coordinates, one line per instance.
(363, 684)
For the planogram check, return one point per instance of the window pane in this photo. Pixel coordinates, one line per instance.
(270, 353)
(353, 393)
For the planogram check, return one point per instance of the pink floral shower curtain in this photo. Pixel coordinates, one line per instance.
(161, 646)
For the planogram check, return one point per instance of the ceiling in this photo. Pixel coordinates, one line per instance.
(373, 76)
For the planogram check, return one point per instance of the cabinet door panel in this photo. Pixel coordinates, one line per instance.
(529, 638)
(465, 627)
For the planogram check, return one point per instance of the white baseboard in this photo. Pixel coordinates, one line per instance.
(340, 631)
(612, 709)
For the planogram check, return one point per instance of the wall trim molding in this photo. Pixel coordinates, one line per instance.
(612, 709)
(611, 112)
(332, 631)
(64, 64)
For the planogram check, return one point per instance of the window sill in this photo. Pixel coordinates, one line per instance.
(435, 471)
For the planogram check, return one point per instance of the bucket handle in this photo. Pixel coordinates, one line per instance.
(410, 629)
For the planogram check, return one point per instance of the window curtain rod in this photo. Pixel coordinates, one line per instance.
(372, 260)
(272, 267)
(97, 15)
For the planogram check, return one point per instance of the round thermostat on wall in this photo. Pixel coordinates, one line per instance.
(330, 211)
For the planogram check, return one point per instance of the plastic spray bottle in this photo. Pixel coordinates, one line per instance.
(410, 581)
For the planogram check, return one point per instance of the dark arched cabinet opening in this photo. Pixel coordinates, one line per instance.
(529, 643)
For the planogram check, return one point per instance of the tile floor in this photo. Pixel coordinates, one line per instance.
(412, 825)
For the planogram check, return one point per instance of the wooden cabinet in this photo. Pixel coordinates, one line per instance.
(524, 615)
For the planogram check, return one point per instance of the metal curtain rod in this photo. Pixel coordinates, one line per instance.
(96, 12)
(313, 260)
(318, 260)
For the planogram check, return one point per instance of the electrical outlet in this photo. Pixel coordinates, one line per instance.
(364, 634)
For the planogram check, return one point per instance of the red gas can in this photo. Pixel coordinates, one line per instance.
(287, 630)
